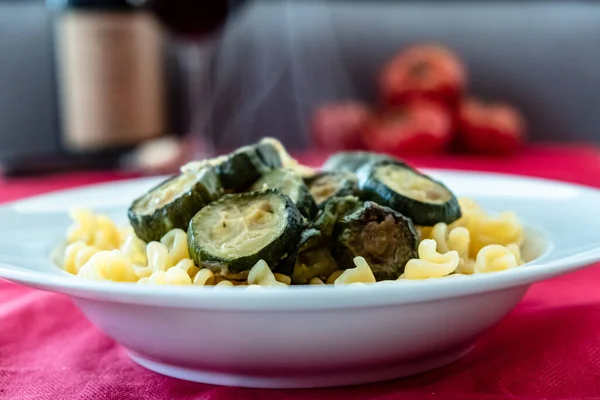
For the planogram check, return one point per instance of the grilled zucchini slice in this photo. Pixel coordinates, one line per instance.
(313, 258)
(384, 237)
(316, 262)
(291, 184)
(232, 234)
(351, 161)
(411, 193)
(173, 203)
(332, 211)
(326, 185)
(247, 164)
(309, 237)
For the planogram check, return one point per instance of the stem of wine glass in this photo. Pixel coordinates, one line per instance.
(194, 58)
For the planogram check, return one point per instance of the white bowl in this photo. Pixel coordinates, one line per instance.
(314, 336)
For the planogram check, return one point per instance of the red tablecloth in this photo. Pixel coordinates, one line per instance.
(547, 348)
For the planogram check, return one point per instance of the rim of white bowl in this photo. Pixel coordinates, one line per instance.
(304, 297)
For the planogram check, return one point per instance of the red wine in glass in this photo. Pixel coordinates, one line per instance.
(192, 18)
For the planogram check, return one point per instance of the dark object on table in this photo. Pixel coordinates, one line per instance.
(45, 164)
(111, 75)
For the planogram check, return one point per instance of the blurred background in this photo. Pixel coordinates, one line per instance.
(147, 85)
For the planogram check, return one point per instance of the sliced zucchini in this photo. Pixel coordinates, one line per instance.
(314, 259)
(232, 234)
(244, 166)
(384, 237)
(351, 161)
(309, 238)
(315, 262)
(197, 165)
(313, 256)
(286, 160)
(173, 203)
(326, 185)
(332, 211)
(398, 186)
(291, 184)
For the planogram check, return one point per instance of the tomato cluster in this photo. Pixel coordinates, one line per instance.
(424, 108)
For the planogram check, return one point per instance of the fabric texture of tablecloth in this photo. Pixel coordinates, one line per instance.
(547, 348)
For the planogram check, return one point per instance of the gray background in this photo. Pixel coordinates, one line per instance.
(281, 59)
(277, 60)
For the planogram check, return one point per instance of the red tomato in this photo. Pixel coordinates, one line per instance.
(417, 128)
(490, 127)
(429, 72)
(338, 126)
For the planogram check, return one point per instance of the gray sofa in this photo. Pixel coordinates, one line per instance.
(277, 60)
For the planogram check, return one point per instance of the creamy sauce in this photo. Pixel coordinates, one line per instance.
(406, 182)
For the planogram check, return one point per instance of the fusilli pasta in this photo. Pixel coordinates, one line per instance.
(109, 265)
(204, 277)
(262, 275)
(76, 255)
(457, 239)
(134, 248)
(172, 276)
(360, 274)
(430, 263)
(93, 229)
(494, 257)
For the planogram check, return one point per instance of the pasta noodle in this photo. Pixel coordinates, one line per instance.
(93, 229)
(501, 230)
(516, 250)
(493, 258)
(177, 276)
(430, 263)
(360, 274)
(172, 276)
(109, 265)
(76, 255)
(134, 248)
(176, 243)
(204, 277)
(188, 266)
(158, 255)
(457, 239)
(262, 275)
